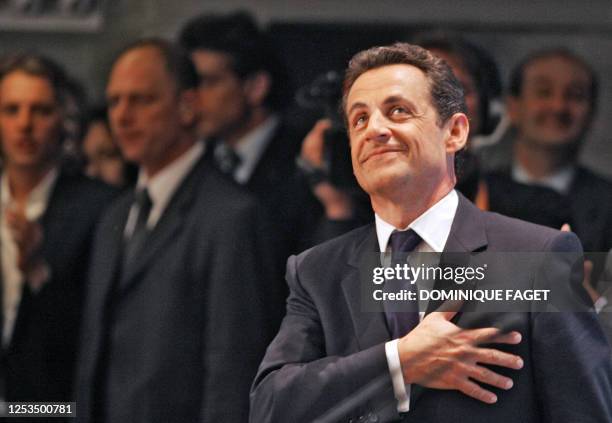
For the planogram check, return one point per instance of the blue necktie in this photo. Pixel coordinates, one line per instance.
(402, 322)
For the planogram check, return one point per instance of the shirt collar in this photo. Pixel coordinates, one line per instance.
(559, 181)
(38, 197)
(433, 226)
(251, 147)
(163, 184)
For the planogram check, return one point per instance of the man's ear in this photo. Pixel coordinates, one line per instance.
(188, 107)
(257, 87)
(458, 131)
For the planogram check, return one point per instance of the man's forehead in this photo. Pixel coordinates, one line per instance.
(397, 80)
(557, 67)
(140, 67)
(22, 85)
(211, 60)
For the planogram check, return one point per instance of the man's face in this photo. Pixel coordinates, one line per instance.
(104, 159)
(145, 108)
(554, 108)
(394, 131)
(30, 120)
(223, 102)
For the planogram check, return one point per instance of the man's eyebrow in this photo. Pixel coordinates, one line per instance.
(396, 99)
(355, 106)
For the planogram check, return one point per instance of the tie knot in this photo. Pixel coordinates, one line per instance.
(404, 241)
(226, 158)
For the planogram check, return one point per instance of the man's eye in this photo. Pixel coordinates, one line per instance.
(578, 95)
(143, 99)
(398, 110)
(10, 109)
(359, 121)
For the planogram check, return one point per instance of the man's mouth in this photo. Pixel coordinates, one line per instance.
(380, 152)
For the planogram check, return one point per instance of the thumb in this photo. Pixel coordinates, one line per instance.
(446, 315)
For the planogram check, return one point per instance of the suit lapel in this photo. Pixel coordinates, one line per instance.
(370, 327)
(467, 235)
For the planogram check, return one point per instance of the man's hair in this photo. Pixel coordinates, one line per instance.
(517, 76)
(445, 90)
(478, 63)
(248, 48)
(39, 66)
(177, 61)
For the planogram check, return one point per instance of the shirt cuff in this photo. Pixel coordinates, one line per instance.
(600, 304)
(400, 389)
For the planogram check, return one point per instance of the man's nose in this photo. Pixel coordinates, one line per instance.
(559, 103)
(378, 128)
(24, 119)
(121, 112)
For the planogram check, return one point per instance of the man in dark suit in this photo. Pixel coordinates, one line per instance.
(334, 360)
(552, 102)
(179, 299)
(243, 90)
(48, 217)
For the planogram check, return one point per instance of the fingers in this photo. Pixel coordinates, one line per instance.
(312, 146)
(472, 389)
(446, 315)
(566, 227)
(322, 125)
(484, 375)
(18, 225)
(451, 305)
(494, 336)
(28, 236)
(497, 358)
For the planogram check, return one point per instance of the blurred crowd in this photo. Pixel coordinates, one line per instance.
(144, 235)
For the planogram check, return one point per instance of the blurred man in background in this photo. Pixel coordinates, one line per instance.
(180, 295)
(553, 94)
(48, 217)
(243, 90)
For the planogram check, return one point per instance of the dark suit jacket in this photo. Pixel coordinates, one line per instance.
(39, 361)
(178, 336)
(284, 193)
(587, 207)
(330, 355)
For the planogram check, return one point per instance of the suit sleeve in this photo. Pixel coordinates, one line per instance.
(298, 382)
(242, 306)
(572, 359)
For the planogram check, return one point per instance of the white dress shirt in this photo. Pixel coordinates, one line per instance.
(559, 181)
(433, 226)
(163, 185)
(12, 277)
